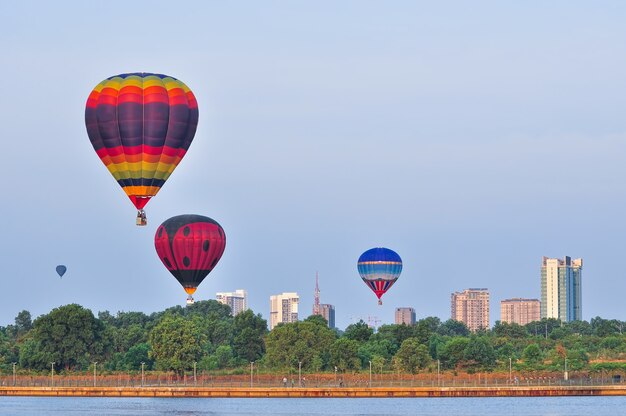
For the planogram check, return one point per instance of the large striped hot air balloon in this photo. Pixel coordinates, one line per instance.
(379, 268)
(190, 246)
(141, 125)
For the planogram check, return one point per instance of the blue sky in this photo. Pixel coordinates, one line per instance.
(470, 137)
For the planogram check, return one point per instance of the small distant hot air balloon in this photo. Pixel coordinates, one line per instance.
(190, 246)
(61, 269)
(379, 268)
(141, 125)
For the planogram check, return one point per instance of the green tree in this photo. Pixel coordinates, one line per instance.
(453, 328)
(376, 347)
(479, 355)
(223, 356)
(360, 332)
(128, 336)
(560, 333)
(412, 356)
(176, 343)
(395, 333)
(318, 319)
(136, 355)
(580, 327)
(452, 353)
(289, 344)
(532, 355)
(378, 362)
(23, 323)
(506, 351)
(606, 327)
(249, 333)
(344, 354)
(612, 343)
(544, 327)
(68, 336)
(426, 328)
(577, 359)
(32, 357)
(127, 319)
(507, 330)
(8, 350)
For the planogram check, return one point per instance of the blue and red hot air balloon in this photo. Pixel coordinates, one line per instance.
(379, 268)
(190, 246)
(141, 125)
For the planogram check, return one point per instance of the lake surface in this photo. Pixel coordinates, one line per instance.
(497, 406)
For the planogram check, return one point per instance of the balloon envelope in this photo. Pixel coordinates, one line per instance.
(141, 125)
(379, 268)
(190, 246)
(61, 269)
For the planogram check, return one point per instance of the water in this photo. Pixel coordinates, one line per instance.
(508, 406)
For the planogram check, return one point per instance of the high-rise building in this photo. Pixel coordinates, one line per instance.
(561, 296)
(328, 312)
(472, 308)
(237, 300)
(283, 308)
(519, 311)
(405, 316)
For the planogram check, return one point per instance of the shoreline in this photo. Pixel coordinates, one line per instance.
(295, 392)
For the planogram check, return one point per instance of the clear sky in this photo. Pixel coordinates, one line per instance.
(472, 138)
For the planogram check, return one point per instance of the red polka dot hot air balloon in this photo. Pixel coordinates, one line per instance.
(190, 246)
(141, 125)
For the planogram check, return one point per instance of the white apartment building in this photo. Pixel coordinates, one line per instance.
(283, 308)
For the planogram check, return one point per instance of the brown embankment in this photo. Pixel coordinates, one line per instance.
(314, 392)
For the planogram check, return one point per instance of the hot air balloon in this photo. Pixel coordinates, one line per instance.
(190, 246)
(61, 269)
(141, 125)
(379, 268)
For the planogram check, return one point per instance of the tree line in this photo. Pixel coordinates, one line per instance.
(206, 335)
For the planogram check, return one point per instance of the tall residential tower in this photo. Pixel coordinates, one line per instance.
(561, 295)
(283, 308)
(237, 300)
(472, 308)
(405, 316)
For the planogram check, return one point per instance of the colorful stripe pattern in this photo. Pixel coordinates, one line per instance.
(190, 246)
(379, 268)
(141, 125)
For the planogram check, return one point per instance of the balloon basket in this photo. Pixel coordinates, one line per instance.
(141, 218)
(380, 302)
(190, 300)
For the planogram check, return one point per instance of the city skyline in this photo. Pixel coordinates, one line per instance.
(450, 135)
(513, 310)
(241, 300)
